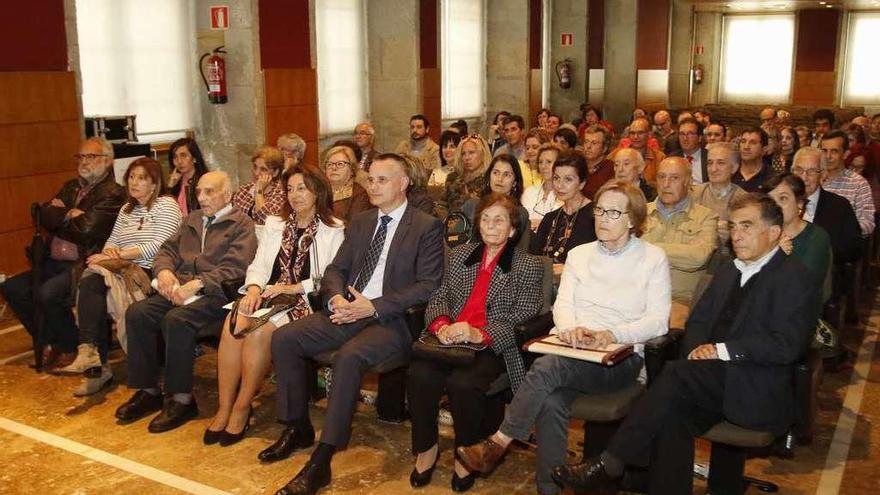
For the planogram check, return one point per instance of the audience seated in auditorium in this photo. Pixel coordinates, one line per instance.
(715, 133)
(703, 116)
(188, 166)
(592, 115)
(805, 136)
(554, 122)
(754, 322)
(597, 141)
(147, 219)
(801, 239)
(514, 134)
(844, 182)
(79, 219)
(753, 168)
(449, 140)
(690, 134)
(613, 290)
(364, 138)
(529, 163)
(686, 230)
(468, 179)
(768, 119)
(628, 167)
(296, 248)
(640, 139)
(570, 225)
(540, 199)
(420, 143)
(502, 177)
(459, 312)
(417, 193)
(828, 210)
(390, 260)
(565, 138)
(349, 197)
(214, 244)
(264, 195)
(293, 148)
(665, 132)
(788, 146)
(719, 192)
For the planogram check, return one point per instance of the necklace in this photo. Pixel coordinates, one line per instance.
(558, 248)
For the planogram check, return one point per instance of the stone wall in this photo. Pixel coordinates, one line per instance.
(569, 16)
(507, 57)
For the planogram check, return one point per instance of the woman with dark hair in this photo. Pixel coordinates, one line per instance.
(460, 312)
(293, 254)
(503, 177)
(570, 225)
(147, 219)
(592, 115)
(615, 290)
(264, 195)
(788, 146)
(566, 139)
(540, 199)
(807, 242)
(187, 167)
(349, 197)
(448, 144)
(460, 126)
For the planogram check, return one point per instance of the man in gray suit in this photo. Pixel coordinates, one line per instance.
(391, 259)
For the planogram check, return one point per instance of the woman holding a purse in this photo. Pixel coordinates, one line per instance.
(289, 260)
(489, 287)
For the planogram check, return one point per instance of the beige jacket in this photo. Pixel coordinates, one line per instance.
(430, 154)
(689, 238)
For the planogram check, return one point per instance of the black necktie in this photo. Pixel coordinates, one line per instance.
(373, 253)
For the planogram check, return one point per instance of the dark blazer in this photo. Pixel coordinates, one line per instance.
(704, 161)
(413, 269)
(771, 332)
(835, 214)
(515, 295)
(90, 230)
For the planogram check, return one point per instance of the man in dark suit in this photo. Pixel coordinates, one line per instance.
(741, 341)
(830, 211)
(391, 259)
(690, 134)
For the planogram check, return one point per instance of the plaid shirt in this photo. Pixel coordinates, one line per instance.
(857, 191)
(275, 198)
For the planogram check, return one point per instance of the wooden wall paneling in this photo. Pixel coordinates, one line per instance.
(37, 97)
(817, 40)
(33, 37)
(428, 34)
(291, 106)
(38, 148)
(18, 194)
(285, 36)
(286, 87)
(12, 244)
(429, 74)
(535, 96)
(596, 34)
(652, 35)
(814, 88)
(431, 100)
(300, 119)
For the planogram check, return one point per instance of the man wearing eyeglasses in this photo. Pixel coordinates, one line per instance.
(364, 137)
(687, 231)
(691, 149)
(639, 138)
(826, 209)
(79, 218)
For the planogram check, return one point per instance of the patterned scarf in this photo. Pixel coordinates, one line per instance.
(290, 274)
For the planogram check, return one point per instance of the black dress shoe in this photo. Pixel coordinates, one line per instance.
(588, 475)
(211, 437)
(308, 481)
(290, 440)
(139, 405)
(227, 439)
(418, 480)
(463, 484)
(173, 414)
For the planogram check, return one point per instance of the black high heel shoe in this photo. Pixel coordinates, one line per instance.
(227, 439)
(418, 480)
(458, 483)
(211, 437)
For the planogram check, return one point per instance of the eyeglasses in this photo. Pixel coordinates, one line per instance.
(810, 172)
(89, 157)
(338, 165)
(363, 133)
(638, 133)
(598, 211)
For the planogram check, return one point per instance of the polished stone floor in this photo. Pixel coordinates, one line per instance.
(54, 443)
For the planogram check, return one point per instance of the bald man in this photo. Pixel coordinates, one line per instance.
(665, 133)
(687, 231)
(364, 137)
(214, 244)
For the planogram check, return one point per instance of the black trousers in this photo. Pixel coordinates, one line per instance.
(475, 416)
(91, 307)
(55, 300)
(359, 345)
(684, 403)
(180, 327)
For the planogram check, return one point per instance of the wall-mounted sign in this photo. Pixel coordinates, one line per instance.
(566, 39)
(219, 17)
(699, 49)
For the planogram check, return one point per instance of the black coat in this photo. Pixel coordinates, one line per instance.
(835, 214)
(704, 161)
(770, 333)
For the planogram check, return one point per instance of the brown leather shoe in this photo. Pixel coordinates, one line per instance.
(482, 457)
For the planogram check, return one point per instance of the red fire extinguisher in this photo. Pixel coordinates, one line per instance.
(215, 81)
(698, 73)
(563, 73)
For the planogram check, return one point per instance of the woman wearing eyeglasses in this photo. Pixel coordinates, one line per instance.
(540, 199)
(572, 224)
(616, 290)
(349, 198)
(264, 195)
(294, 252)
(467, 181)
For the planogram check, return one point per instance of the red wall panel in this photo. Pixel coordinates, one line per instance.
(33, 36)
(817, 40)
(596, 34)
(285, 39)
(652, 36)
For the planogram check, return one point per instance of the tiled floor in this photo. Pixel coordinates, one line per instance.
(51, 442)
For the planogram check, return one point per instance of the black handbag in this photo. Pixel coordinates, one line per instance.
(430, 348)
(279, 303)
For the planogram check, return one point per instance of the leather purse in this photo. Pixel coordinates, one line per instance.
(279, 303)
(430, 348)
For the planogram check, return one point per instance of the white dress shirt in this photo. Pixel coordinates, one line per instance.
(373, 289)
(812, 204)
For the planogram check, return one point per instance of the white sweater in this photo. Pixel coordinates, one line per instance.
(628, 293)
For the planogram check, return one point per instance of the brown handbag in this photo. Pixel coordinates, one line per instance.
(430, 348)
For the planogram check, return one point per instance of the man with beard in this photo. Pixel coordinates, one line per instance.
(420, 144)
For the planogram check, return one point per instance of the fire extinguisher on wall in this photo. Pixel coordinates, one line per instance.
(215, 81)
(698, 73)
(563, 73)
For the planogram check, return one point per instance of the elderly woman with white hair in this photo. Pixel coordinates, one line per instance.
(629, 166)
